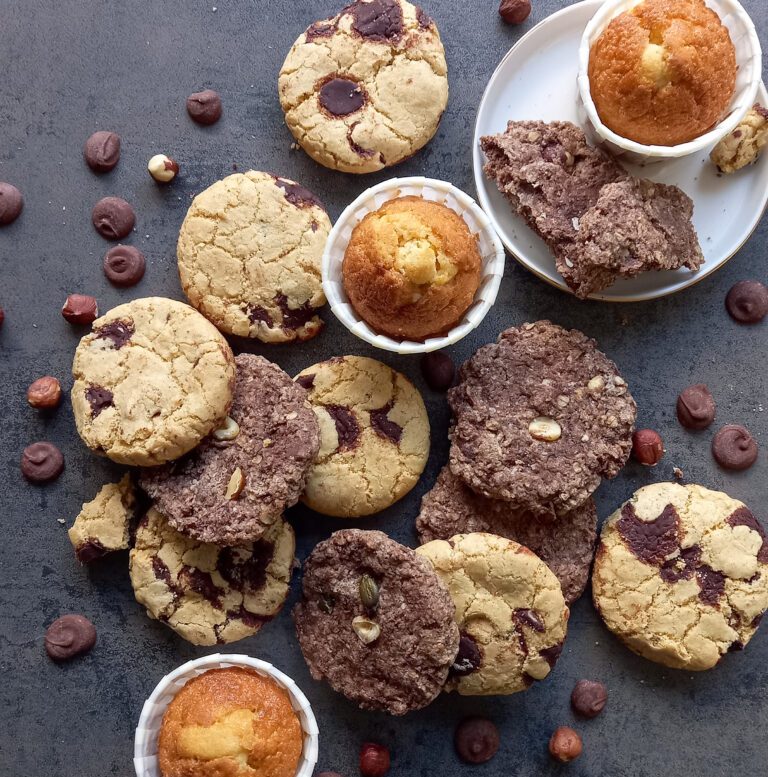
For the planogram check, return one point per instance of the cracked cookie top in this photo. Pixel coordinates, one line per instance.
(509, 608)
(374, 436)
(208, 594)
(365, 89)
(681, 575)
(249, 254)
(151, 380)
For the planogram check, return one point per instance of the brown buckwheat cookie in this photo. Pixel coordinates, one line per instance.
(366, 88)
(374, 436)
(208, 594)
(375, 622)
(681, 575)
(566, 543)
(152, 379)
(249, 256)
(239, 481)
(541, 417)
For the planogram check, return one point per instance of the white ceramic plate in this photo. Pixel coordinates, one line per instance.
(537, 80)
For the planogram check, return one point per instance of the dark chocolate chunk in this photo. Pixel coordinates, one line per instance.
(41, 462)
(102, 151)
(734, 448)
(204, 107)
(712, 585)
(113, 218)
(696, 407)
(306, 381)
(589, 698)
(201, 582)
(383, 426)
(257, 314)
(438, 370)
(476, 740)
(322, 29)
(250, 573)
(90, 551)
(681, 567)
(530, 618)
(69, 636)
(469, 658)
(747, 302)
(119, 332)
(342, 97)
(422, 18)
(347, 428)
(294, 318)
(378, 20)
(99, 399)
(124, 265)
(11, 203)
(366, 153)
(651, 541)
(551, 654)
(743, 517)
(297, 195)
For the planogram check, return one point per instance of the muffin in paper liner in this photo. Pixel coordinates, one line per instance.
(147, 732)
(490, 247)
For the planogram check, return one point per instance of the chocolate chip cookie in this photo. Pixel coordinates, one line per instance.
(374, 436)
(509, 608)
(541, 417)
(681, 575)
(269, 442)
(208, 594)
(375, 622)
(152, 379)
(367, 88)
(249, 255)
(566, 543)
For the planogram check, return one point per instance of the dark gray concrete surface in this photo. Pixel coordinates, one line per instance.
(67, 69)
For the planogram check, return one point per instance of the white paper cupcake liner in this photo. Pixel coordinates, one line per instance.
(145, 743)
(491, 252)
(748, 76)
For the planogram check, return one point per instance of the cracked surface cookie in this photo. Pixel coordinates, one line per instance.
(102, 526)
(681, 575)
(249, 255)
(510, 612)
(208, 594)
(365, 89)
(566, 543)
(541, 417)
(375, 622)
(152, 379)
(268, 443)
(374, 436)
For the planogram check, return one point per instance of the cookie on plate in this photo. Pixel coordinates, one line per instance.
(374, 436)
(152, 379)
(566, 543)
(509, 608)
(249, 255)
(208, 594)
(681, 575)
(375, 622)
(541, 417)
(271, 439)
(367, 88)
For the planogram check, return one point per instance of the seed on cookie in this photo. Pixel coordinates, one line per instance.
(235, 485)
(367, 630)
(546, 429)
(228, 431)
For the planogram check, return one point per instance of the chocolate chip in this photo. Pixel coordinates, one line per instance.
(323, 29)
(41, 462)
(342, 97)
(696, 407)
(258, 314)
(69, 636)
(589, 698)
(250, 619)
(438, 370)
(124, 265)
(119, 332)
(378, 20)
(734, 448)
(11, 203)
(162, 572)
(297, 195)
(294, 318)
(529, 618)
(201, 583)
(347, 428)
(306, 381)
(366, 153)
(113, 218)
(469, 658)
(102, 151)
(747, 302)
(204, 107)
(80, 309)
(476, 740)
(99, 399)
(383, 426)
(651, 541)
(711, 585)
(89, 551)
(250, 572)
(681, 567)
(551, 654)
(422, 18)
(743, 517)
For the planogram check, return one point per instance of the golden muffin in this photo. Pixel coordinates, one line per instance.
(411, 268)
(230, 723)
(663, 73)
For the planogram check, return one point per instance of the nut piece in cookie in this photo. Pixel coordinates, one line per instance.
(102, 526)
(374, 436)
(742, 146)
(405, 666)
(681, 575)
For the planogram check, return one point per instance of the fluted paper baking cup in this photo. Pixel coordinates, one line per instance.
(749, 60)
(147, 732)
(490, 247)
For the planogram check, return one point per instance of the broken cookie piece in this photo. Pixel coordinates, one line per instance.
(743, 145)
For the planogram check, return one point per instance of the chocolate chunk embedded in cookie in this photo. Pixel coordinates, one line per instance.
(392, 654)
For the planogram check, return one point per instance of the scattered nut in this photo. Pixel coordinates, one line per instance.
(589, 698)
(374, 760)
(162, 168)
(565, 745)
(80, 309)
(596, 385)
(514, 11)
(647, 447)
(2, 316)
(228, 432)
(368, 631)
(545, 429)
(44, 393)
(678, 473)
(236, 485)
(476, 740)
(369, 592)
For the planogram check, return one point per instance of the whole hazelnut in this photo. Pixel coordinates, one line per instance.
(44, 393)
(515, 11)
(647, 447)
(565, 745)
(374, 760)
(80, 309)
(162, 168)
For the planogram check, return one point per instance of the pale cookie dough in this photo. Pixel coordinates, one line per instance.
(152, 379)
(681, 575)
(743, 145)
(374, 436)
(509, 608)
(102, 526)
(365, 89)
(249, 256)
(208, 594)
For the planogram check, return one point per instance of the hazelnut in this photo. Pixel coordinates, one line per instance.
(514, 11)
(80, 309)
(647, 447)
(236, 485)
(374, 760)
(544, 429)
(162, 168)
(44, 393)
(565, 745)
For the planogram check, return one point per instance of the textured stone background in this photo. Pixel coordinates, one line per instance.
(71, 68)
